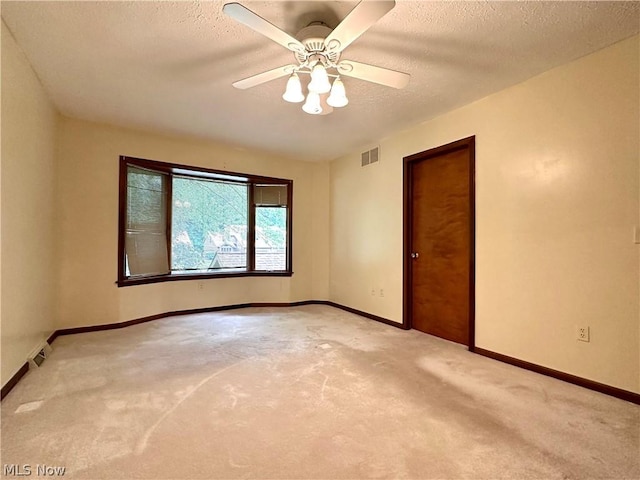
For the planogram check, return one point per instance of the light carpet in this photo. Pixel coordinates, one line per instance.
(304, 392)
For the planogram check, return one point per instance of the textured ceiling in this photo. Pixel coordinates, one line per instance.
(168, 67)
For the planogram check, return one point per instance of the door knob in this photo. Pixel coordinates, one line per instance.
(415, 255)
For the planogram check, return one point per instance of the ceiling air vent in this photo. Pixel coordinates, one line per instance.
(370, 156)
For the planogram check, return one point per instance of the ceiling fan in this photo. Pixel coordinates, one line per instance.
(317, 50)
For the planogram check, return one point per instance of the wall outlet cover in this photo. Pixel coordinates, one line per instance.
(582, 333)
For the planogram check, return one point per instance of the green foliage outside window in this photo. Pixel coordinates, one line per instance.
(207, 214)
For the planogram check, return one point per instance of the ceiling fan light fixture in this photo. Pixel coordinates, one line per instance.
(293, 93)
(319, 80)
(338, 97)
(312, 105)
(318, 48)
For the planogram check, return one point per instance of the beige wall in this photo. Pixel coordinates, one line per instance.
(27, 199)
(557, 200)
(88, 217)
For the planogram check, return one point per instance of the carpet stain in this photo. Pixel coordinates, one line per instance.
(29, 407)
(142, 444)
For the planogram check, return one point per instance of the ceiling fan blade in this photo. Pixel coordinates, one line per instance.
(264, 77)
(260, 25)
(370, 73)
(358, 21)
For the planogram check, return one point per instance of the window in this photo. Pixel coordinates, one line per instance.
(209, 225)
(178, 222)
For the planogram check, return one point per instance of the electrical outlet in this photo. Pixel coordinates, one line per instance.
(200, 285)
(582, 333)
(373, 292)
(382, 292)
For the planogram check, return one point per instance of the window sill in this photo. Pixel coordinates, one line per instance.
(198, 276)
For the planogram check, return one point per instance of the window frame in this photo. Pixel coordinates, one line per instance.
(172, 169)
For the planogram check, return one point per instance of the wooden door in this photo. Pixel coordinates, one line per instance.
(441, 242)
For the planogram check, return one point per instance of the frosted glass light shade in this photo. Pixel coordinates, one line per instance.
(312, 105)
(293, 93)
(338, 97)
(319, 80)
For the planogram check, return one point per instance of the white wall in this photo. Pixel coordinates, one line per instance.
(27, 198)
(557, 199)
(87, 220)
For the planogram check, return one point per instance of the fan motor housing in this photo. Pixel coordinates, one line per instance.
(312, 37)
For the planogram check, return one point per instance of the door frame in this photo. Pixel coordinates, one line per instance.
(465, 143)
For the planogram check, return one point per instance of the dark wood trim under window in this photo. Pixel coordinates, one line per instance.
(198, 173)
